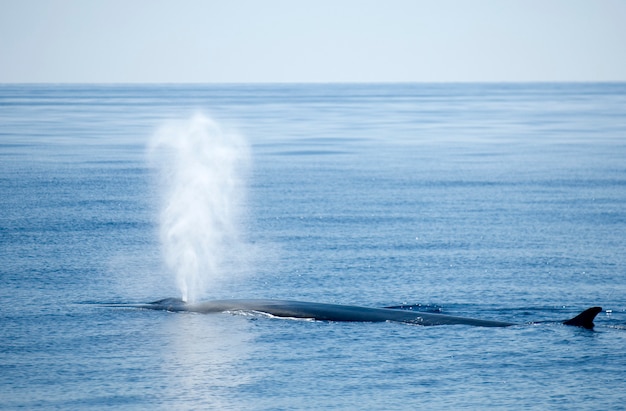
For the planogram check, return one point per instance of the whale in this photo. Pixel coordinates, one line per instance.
(340, 313)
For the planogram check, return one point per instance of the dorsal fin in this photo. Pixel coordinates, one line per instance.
(584, 319)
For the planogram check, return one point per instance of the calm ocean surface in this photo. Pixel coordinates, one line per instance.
(496, 201)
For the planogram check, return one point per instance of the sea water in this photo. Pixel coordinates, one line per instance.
(495, 201)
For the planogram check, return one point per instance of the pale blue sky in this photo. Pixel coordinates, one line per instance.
(312, 41)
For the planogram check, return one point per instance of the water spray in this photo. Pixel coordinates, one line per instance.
(202, 169)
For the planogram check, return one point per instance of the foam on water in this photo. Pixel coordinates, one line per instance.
(201, 179)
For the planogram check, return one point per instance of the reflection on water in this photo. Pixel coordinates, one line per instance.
(204, 355)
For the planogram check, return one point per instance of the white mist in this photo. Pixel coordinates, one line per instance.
(202, 178)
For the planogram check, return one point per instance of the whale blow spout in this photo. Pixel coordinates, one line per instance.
(202, 169)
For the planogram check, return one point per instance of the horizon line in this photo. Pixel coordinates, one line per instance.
(381, 82)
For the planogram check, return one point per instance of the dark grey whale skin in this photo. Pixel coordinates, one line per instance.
(336, 312)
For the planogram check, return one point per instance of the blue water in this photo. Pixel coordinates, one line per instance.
(496, 201)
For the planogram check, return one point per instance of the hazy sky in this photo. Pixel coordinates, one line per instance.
(312, 40)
